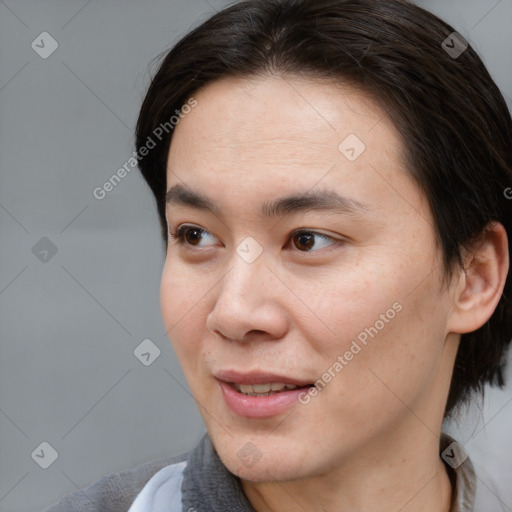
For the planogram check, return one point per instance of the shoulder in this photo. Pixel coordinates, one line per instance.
(163, 491)
(116, 492)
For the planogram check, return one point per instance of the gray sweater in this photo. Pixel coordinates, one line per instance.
(198, 481)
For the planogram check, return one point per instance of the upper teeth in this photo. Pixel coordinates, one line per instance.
(262, 389)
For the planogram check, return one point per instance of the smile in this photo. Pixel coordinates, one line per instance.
(259, 394)
(263, 389)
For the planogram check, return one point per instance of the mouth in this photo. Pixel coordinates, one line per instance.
(267, 389)
(260, 395)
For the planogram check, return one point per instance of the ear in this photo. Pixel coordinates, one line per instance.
(481, 281)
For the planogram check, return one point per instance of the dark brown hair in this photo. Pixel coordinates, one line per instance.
(454, 121)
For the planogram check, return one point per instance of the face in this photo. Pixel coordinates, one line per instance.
(303, 253)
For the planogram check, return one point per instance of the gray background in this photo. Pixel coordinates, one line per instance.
(69, 325)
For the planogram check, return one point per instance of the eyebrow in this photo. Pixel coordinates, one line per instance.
(324, 200)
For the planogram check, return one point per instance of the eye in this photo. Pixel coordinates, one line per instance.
(192, 235)
(306, 241)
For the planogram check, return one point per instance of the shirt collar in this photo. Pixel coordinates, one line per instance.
(461, 472)
(208, 486)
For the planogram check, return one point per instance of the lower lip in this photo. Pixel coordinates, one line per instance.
(259, 406)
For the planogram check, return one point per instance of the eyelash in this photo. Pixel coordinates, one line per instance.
(179, 235)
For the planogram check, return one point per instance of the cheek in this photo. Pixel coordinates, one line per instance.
(347, 301)
(183, 306)
(381, 315)
(391, 359)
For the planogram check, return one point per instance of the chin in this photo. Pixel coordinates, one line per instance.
(261, 460)
(267, 469)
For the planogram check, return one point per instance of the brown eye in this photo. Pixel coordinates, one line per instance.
(307, 240)
(193, 236)
(304, 240)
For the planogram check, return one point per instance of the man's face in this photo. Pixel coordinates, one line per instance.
(348, 294)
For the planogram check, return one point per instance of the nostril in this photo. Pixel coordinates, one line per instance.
(227, 338)
(255, 332)
(246, 337)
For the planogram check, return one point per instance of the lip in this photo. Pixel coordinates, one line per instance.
(258, 406)
(257, 377)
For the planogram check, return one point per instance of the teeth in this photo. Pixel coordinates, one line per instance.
(263, 389)
(260, 388)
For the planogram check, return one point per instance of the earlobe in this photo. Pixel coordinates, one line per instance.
(482, 280)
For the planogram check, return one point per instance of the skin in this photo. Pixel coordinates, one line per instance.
(370, 439)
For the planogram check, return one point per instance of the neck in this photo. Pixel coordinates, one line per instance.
(402, 472)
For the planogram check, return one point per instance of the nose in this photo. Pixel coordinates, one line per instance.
(251, 303)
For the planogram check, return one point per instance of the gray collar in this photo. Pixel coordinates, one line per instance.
(462, 474)
(208, 486)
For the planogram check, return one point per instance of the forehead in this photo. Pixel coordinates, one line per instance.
(281, 134)
(289, 113)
